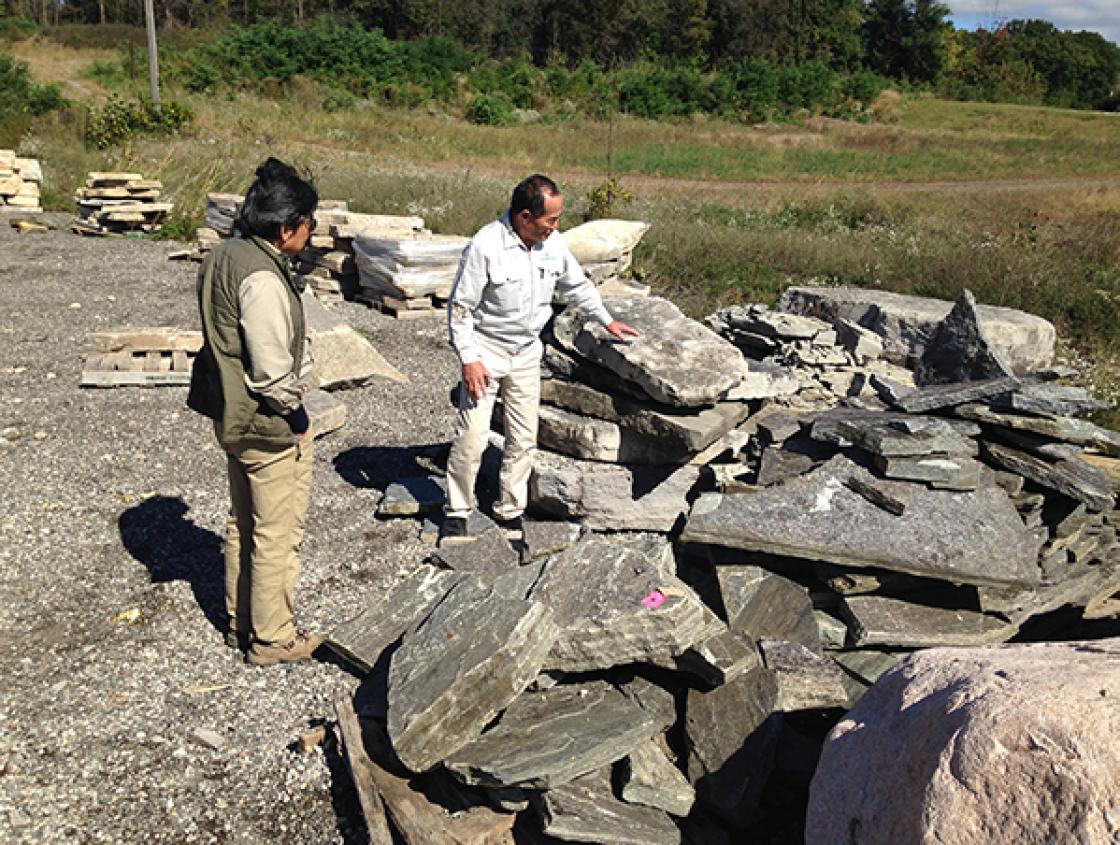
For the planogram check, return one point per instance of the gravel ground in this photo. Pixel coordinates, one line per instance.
(126, 719)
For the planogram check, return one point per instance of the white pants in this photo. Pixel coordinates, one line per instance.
(518, 376)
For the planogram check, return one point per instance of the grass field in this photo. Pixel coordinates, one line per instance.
(1019, 204)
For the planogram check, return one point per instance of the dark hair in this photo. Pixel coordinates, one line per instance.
(530, 193)
(279, 196)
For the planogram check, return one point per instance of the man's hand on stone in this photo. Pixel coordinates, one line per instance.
(621, 331)
(476, 377)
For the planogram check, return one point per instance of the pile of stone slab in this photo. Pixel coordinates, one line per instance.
(120, 204)
(21, 181)
(327, 262)
(796, 538)
(407, 274)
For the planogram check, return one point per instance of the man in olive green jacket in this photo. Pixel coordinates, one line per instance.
(250, 377)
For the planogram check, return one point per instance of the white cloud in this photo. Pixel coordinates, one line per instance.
(1101, 16)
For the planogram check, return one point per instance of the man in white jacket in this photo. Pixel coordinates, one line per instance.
(500, 303)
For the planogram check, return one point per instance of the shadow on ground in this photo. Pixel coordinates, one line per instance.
(158, 533)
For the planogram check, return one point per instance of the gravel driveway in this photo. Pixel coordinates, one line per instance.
(125, 718)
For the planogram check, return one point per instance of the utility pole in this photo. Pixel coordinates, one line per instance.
(153, 54)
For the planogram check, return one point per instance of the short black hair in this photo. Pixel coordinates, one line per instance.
(279, 196)
(530, 194)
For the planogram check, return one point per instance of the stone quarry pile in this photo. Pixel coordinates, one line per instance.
(745, 525)
(21, 180)
(407, 273)
(327, 263)
(119, 203)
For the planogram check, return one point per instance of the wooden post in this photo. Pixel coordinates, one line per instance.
(153, 54)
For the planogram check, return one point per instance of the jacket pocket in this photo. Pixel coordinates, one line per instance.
(503, 294)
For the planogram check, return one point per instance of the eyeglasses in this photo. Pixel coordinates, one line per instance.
(311, 222)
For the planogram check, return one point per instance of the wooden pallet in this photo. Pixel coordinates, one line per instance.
(144, 357)
(402, 309)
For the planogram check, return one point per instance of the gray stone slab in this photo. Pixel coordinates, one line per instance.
(545, 739)
(1074, 584)
(617, 603)
(574, 368)
(806, 681)
(1035, 444)
(893, 498)
(759, 319)
(939, 396)
(861, 343)
(676, 360)
(487, 557)
(413, 496)
(650, 778)
(946, 472)
(586, 810)
(764, 380)
(906, 437)
(777, 465)
(960, 350)
(611, 497)
(473, 655)
(578, 436)
(1075, 479)
(362, 639)
(833, 632)
(539, 539)
(657, 701)
(327, 413)
(840, 426)
(731, 733)
(761, 604)
(882, 621)
(1069, 429)
(721, 658)
(478, 524)
(973, 537)
(1060, 400)
(905, 323)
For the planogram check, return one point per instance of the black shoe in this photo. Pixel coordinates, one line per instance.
(454, 530)
(511, 524)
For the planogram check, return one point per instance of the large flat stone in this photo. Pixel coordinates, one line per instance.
(650, 778)
(679, 430)
(882, 621)
(1068, 429)
(489, 556)
(539, 538)
(327, 413)
(343, 358)
(453, 673)
(585, 810)
(676, 360)
(731, 733)
(934, 397)
(362, 639)
(960, 349)
(721, 658)
(945, 472)
(906, 323)
(1060, 400)
(611, 497)
(1075, 479)
(618, 603)
(973, 537)
(545, 739)
(572, 367)
(893, 437)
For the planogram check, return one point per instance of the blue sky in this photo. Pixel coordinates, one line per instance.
(1101, 16)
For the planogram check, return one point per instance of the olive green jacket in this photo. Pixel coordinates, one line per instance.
(218, 379)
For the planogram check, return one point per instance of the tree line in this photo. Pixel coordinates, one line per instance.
(909, 41)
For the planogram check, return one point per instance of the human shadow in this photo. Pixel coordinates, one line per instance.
(158, 533)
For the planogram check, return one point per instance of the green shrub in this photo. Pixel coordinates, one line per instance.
(121, 120)
(339, 100)
(749, 85)
(490, 110)
(16, 29)
(864, 86)
(811, 85)
(20, 95)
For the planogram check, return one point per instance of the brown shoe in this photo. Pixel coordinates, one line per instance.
(293, 651)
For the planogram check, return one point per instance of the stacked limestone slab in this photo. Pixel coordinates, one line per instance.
(605, 251)
(118, 204)
(661, 659)
(328, 262)
(21, 181)
(407, 273)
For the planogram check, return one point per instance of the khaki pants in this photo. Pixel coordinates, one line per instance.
(518, 376)
(269, 490)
